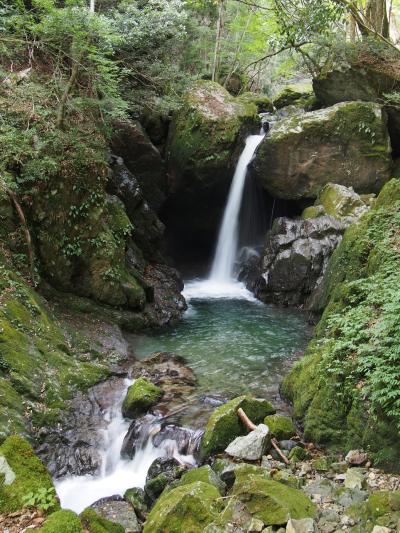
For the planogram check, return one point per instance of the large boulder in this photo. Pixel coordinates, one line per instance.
(347, 143)
(298, 94)
(295, 258)
(224, 424)
(187, 508)
(270, 501)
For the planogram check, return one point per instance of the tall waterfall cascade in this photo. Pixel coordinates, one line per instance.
(222, 282)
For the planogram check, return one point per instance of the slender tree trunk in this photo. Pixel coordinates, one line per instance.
(65, 95)
(91, 6)
(218, 38)
(376, 14)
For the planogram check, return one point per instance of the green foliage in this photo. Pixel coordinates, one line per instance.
(44, 498)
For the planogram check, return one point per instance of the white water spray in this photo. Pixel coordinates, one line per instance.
(222, 283)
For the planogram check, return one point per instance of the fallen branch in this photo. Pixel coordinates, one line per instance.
(251, 427)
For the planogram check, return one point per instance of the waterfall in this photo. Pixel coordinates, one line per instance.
(227, 246)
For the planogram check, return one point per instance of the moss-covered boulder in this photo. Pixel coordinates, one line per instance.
(262, 101)
(187, 508)
(30, 475)
(340, 202)
(272, 502)
(348, 142)
(63, 521)
(280, 427)
(205, 474)
(344, 389)
(140, 397)
(224, 424)
(94, 523)
(299, 94)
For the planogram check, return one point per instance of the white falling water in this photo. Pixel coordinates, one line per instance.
(117, 474)
(222, 283)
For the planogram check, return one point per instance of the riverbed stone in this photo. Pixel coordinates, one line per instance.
(162, 472)
(117, 510)
(305, 525)
(224, 424)
(281, 427)
(187, 508)
(356, 458)
(301, 154)
(140, 397)
(250, 447)
(137, 498)
(271, 501)
(355, 479)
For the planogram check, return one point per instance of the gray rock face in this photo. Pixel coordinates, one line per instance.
(119, 511)
(295, 258)
(251, 447)
(355, 479)
(7, 471)
(305, 525)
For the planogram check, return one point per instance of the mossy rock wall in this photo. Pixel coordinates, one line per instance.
(347, 143)
(345, 388)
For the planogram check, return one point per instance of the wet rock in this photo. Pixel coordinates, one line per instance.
(137, 498)
(251, 447)
(356, 458)
(305, 525)
(295, 258)
(355, 478)
(94, 522)
(117, 510)
(162, 472)
(349, 141)
(224, 424)
(186, 441)
(140, 397)
(170, 513)
(281, 427)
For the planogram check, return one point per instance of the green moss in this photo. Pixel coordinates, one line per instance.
(345, 388)
(280, 427)
(300, 94)
(224, 424)
(204, 474)
(271, 501)
(187, 508)
(140, 397)
(94, 523)
(62, 521)
(30, 473)
(262, 102)
(313, 211)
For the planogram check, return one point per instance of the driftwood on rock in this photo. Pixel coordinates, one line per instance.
(251, 427)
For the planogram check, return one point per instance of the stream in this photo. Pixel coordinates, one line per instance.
(233, 343)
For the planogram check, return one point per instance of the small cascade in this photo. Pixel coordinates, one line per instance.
(119, 472)
(227, 246)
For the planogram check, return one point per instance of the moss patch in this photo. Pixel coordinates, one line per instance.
(62, 521)
(94, 523)
(140, 397)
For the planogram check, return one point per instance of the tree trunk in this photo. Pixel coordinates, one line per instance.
(218, 38)
(66, 93)
(376, 14)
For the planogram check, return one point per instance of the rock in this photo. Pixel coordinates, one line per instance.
(356, 458)
(381, 529)
(355, 479)
(349, 497)
(63, 520)
(281, 427)
(288, 444)
(142, 158)
(261, 101)
(187, 508)
(117, 510)
(323, 488)
(300, 94)
(300, 155)
(251, 447)
(162, 472)
(137, 498)
(298, 454)
(95, 523)
(24, 474)
(270, 501)
(234, 518)
(287, 478)
(305, 525)
(204, 474)
(140, 397)
(295, 258)
(224, 424)
(340, 202)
